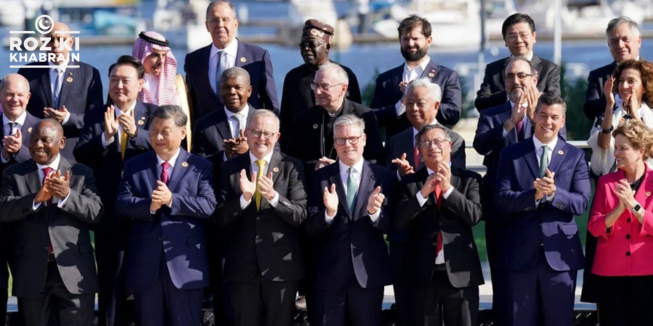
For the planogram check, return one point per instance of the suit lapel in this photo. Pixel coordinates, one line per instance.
(396, 79)
(431, 68)
(342, 197)
(643, 194)
(47, 89)
(205, 57)
(179, 170)
(222, 124)
(537, 63)
(153, 174)
(32, 178)
(240, 54)
(558, 155)
(66, 86)
(30, 121)
(365, 189)
(531, 158)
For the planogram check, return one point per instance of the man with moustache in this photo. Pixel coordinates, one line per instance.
(542, 184)
(439, 205)
(153, 51)
(624, 42)
(50, 203)
(261, 200)
(415, 39)
(168, 195)
(348, 216)
(297, 94)
(204, 67)
(312, 134)
(111, 136)
(519, 33)
(62, 92)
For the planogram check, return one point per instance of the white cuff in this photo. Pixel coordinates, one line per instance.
(62, 202)
(400, 108)
(327, 218)
(505, 133)
(65, 120)
(244, 203)
(375, 217)
(2, 158)
(448, 192)
(275, 200)
(106, 143)
(421, 200)
(398, 175)
(35, 206)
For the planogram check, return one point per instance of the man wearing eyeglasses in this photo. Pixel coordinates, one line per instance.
(297, 95)
(312, 131)
(519, 34)
(204, 67)
(438, 205)
(347, 218)
(262, 201)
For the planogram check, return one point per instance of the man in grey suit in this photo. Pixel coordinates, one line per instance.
(51, 203)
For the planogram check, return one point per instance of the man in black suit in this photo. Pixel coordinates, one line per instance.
(312, 134)
(297, 94)
(519, 33)
(264, 259)
(110, 137)
(415, 39)
(347, 218)
(204, 67)
(62, 92)
(51, 202)
(439, 205)
(625, 42)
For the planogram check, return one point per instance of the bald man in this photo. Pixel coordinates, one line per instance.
(62, 92)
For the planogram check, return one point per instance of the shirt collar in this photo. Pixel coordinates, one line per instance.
(119, 111)
(54, 66)
(528, 56)
(244, 113)
(431, 171)
(415, 131)
(172, 160)
(358, 167)
(538, 144)
(231, 49)
(54, 165)
(422, 64)
(20, 120)
(266, 158)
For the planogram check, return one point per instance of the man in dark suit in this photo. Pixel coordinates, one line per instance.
(51, 256)
(264, 260)
(62, 92)
(168, 194)
(312, 134)
(625, 42)
(415, 39)
(205, 66)
(110, 137)
(297, 94)
(347, 218)
(439, 205)
(500, 127)
(542, 183)
(519, 33)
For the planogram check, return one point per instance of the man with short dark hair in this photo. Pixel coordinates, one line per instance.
(414, 39)
(167, 194)
(519, 33)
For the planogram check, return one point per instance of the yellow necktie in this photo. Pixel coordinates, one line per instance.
(123, 144)
(260, 164)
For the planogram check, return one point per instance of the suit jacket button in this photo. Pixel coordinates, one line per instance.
(627, 236)
(258, 218)
(257, 237)
(627, 253)
(628, 220)
(542, 244)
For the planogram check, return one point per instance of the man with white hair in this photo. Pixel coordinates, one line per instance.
(153, 51)
(312, 135)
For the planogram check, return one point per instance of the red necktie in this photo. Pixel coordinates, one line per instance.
(164, 172)
(438, 198)
(520, 130)
(416, 153)
(46, 172)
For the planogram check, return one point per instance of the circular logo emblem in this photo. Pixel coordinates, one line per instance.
(44, 24)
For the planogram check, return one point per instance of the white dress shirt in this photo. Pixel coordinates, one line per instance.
(20, 121)
(61, 71)
(356, 176)
(214, 58)
(538, 153)
(439, 259)
(106, 143)
(242, 119)
(409, 75)
(275, 200)
(54, 166)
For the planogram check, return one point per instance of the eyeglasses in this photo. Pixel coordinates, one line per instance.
(215, 21)
(513, 36)
(351, 140)
(323, 87)
(259, 133)
(311, 45)
(430, 142)
(521, 76)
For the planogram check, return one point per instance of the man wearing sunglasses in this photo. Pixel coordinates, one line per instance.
(297, 94)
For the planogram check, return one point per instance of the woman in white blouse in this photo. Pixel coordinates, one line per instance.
(635, 87)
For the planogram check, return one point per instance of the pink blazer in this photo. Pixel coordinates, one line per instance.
(627, 249)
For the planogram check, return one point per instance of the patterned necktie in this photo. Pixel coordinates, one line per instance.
(220, 68)
(544, 161)
(56, 92)
(260, 164)
(351, 190)
(48, 204)
(438, 198)
(164, 172)
(416, 157)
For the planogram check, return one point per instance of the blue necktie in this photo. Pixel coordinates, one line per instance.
(56, 93)
(221, 67)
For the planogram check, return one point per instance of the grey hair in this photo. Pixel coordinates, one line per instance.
(170, 112)
(235, 72)
(339, 72)
(434, 90)
(428, 128)
(215, 3)
(264, 113)
(5, 80)
(613, 24)
(348, 120)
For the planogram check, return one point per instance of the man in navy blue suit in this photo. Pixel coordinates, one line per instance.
(204, 67)
(347, 218)
(542, 184)
(168, 195)
(415, 39)
(110, 137)
(61, 92)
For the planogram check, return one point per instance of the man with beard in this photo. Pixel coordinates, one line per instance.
(297, 95)
(415, 39)
(153, 51)
(519, 34)
(62, 92)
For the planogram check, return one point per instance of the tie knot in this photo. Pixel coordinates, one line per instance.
(46, 171)
(544, 148)
(165, 165)
(260, 163)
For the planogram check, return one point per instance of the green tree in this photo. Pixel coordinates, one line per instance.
(573, 92)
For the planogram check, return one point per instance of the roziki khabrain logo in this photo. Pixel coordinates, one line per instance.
(52, 46)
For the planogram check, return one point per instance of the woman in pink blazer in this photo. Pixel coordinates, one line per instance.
(622, 220)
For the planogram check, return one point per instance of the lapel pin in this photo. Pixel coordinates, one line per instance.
(70, 73)
(560, 152)
(184, 164)
(648, 194)
(29, 130)
(242, 59)
(432, 73)
(69, 79)
(315, 126)
(141, 122)
(275, 170)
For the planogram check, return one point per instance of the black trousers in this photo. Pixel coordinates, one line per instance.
(56, 306)
(439, 303)
(625, 301)
(3, 305)
(354, 306)
(110, 253)
(263, 302)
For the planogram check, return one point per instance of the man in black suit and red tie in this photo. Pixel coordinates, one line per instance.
(204, 67)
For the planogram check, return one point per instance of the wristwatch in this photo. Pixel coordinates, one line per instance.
(636, 208)
(607, 131)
